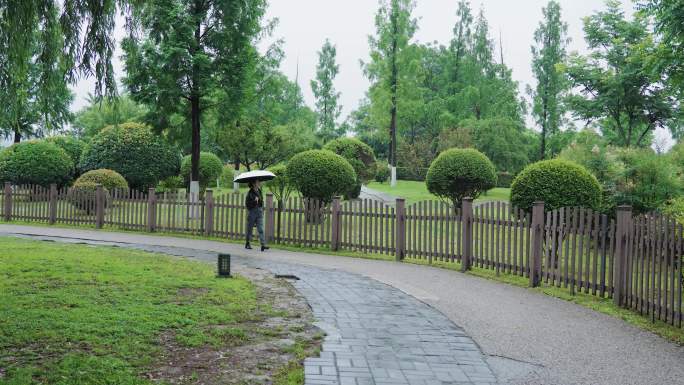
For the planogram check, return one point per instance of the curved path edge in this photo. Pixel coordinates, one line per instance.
(527, 338)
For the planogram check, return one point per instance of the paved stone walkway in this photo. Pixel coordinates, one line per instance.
(375, 334)
(369, 193)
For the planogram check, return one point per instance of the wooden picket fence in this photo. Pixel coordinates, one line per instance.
(635, 260)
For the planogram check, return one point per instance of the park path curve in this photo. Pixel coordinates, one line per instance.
(526, 337)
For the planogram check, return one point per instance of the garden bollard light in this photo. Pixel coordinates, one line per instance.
(224, 265)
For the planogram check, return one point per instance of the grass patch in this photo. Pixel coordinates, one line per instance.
(93, 315)
(414, 191)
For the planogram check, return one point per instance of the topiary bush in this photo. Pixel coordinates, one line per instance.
(35, 162)
(74, 147)
(210, 169)
(357, 153)
(460, 172)
(83, 195)
(320, 174)
(109, 179)
(134, 151)
(558, 183)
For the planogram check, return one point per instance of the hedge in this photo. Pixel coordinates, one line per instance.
(320, 174)
(357, 153)
(460, 172)
(109, 179)
(36, 162)
(134, 151)
(74, 147)
(559, 183)
(210, 169)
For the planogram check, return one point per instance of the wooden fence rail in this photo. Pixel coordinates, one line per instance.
(635, 260)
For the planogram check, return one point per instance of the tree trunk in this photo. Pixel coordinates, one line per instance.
(17, 136)
(195, 119)
(195, 106)
(393, 109)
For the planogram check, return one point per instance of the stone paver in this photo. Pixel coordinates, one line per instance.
(375, 334)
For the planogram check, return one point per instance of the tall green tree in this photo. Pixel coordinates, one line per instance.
(390, 64)
(98, 114)
(616, 87)
(669, 24)
(274, 123)
(189, 56)
(34, 69)
(549, 50)
(324, 91)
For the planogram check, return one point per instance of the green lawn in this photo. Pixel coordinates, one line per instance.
(76, 314)
(416, 191)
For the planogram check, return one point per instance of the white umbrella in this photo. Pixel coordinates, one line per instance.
(249, 176)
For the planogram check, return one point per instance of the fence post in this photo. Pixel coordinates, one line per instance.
(270, 219)
(335, 224)
(151, 210)
(53, 204)
(401, 229)
(466, 233)
(99, 206)
(208, 212)
(536, 242)
(8, 201)
(623, 222)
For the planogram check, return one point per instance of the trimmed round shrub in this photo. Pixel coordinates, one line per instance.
(109, 179)
(358, 154)
(460, 172)
(74, 147)
(35, 162)
(134, 151)
(210, 169)
(83, 195)
(227, 175)
(558, 183)
(320, 174)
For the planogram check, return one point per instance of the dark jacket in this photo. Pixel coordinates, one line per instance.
(251, 199)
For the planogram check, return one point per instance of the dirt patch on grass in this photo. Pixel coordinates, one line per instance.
(280, 335)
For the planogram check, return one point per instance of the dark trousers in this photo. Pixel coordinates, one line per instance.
(255, 217)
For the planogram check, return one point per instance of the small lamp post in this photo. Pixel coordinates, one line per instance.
(224, 265)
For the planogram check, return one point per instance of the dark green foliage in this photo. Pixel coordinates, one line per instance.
(83, 195)
(357, 153)
(210, 169)
(35, 162)
(74, 147)
(558, 183)
(504, 179)
(281, 187)
(382, 172)
(227, 175)
(648, 181)
(170, 184)
(320, 174)
(109, 179)
(460, 172)
(413, 159)
(353, 192)
(133, 151)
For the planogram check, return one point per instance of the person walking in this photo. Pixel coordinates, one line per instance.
(255, 217)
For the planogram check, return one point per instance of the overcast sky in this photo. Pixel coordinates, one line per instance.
(305, 24)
